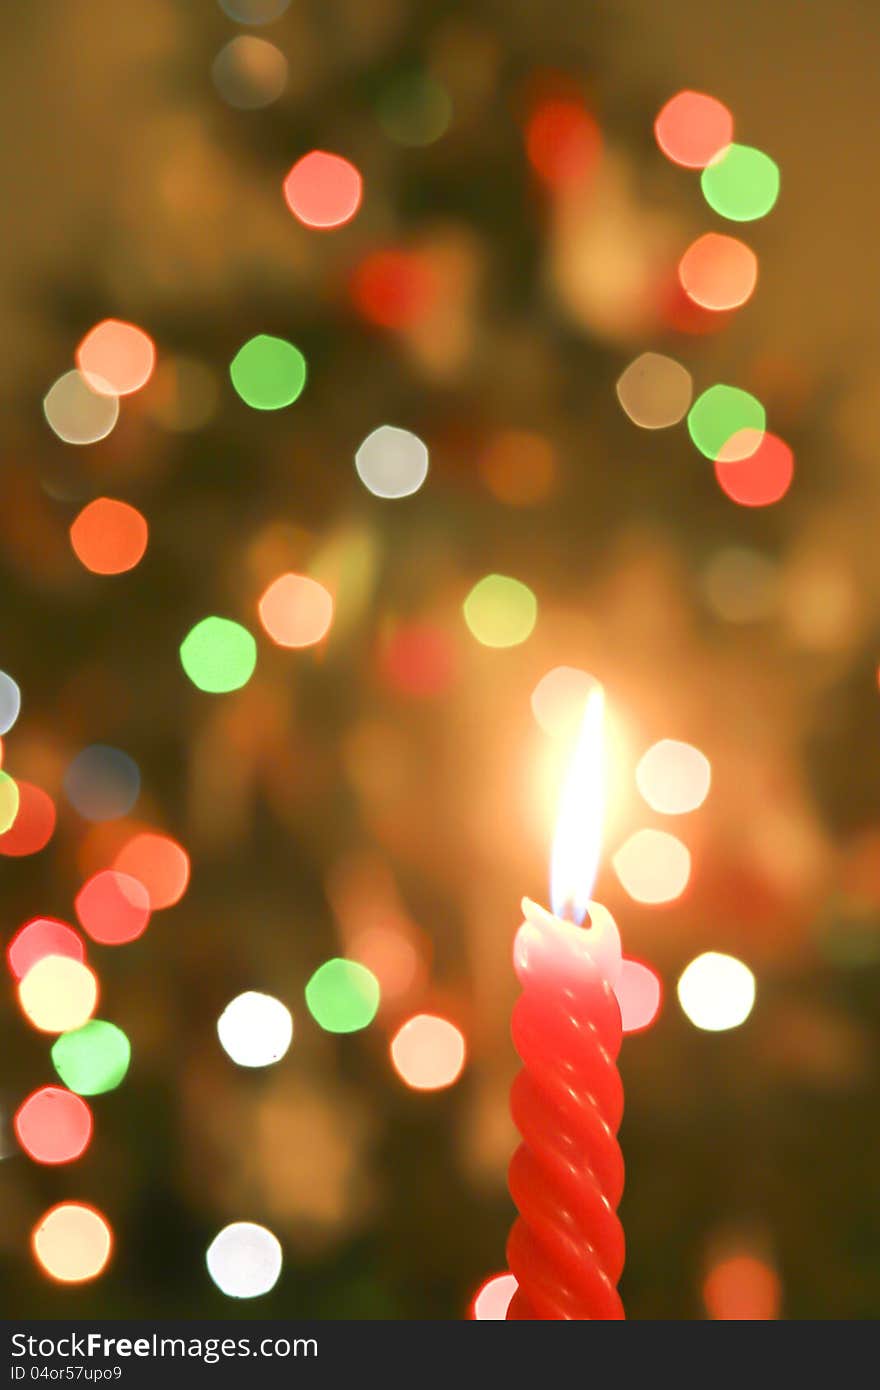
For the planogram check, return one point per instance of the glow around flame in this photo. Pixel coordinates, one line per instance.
(578, 837)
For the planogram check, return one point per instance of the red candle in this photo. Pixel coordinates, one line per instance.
(566, 1247)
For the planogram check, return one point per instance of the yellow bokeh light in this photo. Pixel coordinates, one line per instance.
(500, 611)
(653, 866)
(72, 1242)
(716, 992)
(58, 994)
(674, 777)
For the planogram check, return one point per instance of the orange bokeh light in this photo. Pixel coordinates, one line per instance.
(563, 142)
(519, 467)
(113, 907)
(323, 190)
(159, 863)
(109, 537)
(718, 272)
(53, 1125)
(34, 823)
(693, 128)
(428, 1053)
(42, 936)
(72, 1242)
(296, 611)
(742, 1288)
(116, 358)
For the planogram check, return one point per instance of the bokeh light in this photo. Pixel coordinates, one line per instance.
(10, 801)
(72, 1242)
(741, 585)
(393, 288)
(77, 412)
(343, 996)
(492, 1299)
(116, 358)
(742, 1288)
(268, 373)
(392, 462)
(255, 1029)
(559, 699)
(742, 185)
(53, 1125)
(674, 777)
(92, 1059)
(218, 655)
(414, 109)
(519, 467)
(419, 659)
(296, 611)
(655, 391)
(102, 783)
(428, 1052)
(500, 611)
(34, 823)
(183, 395)
(721, 413)
(244, 1260)
(58, 994)
(718, 272)
(40, 937)
(113, 908)
(323, 190)
(653, 866)
(388, 953)
(249, 73)
(716, 992)
(762, 478)
(10, 702)
(693, 128)
(639, 991)
(563, 142)
(159, 863)
(109, 537)
(254, 11)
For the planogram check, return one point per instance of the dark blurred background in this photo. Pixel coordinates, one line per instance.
(344, 789)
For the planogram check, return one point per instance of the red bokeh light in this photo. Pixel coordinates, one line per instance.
(762, 478)
(692, 128)
(113, 907)
(42, 936)
(419, 660)
(159, 863)
(393, 289)
(116, 358)
(53, 1125)
(323, 190)
(563, 141)
(34, 824)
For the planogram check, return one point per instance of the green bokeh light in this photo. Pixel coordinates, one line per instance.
(500, 612)
(218, 655)
(415, 110)
(720, 413)
(742, 185)
(343, 996)
(9, 801)
(92, 1059)
(268, 373)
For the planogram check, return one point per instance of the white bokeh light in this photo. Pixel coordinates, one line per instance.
(674, 777)
(716, 992)
(77, 413)
(244, 1260)
(10, 702)
(652, 866)
(392, 462)
(255, 1029)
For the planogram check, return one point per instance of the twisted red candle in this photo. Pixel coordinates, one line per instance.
(566, 1247)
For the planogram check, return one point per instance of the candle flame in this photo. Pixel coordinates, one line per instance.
(575, 858)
